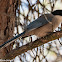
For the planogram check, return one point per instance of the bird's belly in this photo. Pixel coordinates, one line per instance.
(43, 31)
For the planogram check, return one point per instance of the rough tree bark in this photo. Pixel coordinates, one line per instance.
(18, 51)
(7, 19)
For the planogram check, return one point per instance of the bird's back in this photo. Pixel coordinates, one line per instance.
(39, 22)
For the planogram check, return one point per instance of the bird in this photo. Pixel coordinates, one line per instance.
(41, 26)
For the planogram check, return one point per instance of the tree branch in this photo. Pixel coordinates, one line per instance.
(12, 54)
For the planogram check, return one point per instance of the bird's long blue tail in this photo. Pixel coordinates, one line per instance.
(12, 39)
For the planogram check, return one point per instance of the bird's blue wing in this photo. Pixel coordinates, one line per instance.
(39, 22)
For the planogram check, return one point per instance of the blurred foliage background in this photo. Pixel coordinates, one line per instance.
(26, 12)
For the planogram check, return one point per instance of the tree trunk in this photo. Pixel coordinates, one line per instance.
(7, 20)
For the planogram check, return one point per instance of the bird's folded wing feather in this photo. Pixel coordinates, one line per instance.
(39, 22)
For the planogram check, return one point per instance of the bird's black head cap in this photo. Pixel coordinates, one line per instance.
(57, 12)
